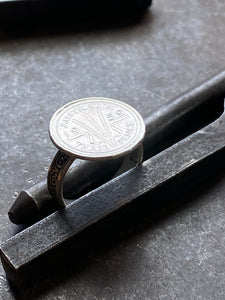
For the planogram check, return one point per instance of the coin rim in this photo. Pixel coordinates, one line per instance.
(54, 136)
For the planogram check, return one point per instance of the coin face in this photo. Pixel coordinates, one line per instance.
(97, 128)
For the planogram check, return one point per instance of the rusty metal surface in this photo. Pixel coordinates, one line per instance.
(176, 45)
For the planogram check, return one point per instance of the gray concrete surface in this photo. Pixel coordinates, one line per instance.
(177, 44)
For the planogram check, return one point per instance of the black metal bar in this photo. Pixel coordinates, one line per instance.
(42, 12)
(25, 251)
(165, 126)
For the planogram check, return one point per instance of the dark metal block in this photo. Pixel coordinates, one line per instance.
(26, 252)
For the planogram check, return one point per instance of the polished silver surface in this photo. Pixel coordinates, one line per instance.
(93, 129)
(97, 128)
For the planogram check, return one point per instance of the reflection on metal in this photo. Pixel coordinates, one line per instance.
(97, 129)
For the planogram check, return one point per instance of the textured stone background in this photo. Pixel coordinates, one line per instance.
(177, 44)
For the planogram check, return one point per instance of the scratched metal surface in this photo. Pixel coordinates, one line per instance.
(176, 45)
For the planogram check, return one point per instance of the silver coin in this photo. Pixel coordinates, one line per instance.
(97, 128)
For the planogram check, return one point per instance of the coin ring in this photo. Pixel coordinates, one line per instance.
(93, 128)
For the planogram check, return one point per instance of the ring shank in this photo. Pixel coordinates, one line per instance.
(56, 175)
(62, 162)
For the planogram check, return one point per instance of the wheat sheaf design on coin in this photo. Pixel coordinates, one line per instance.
(96, 127)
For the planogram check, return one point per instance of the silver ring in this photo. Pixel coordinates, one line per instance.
(93, 129)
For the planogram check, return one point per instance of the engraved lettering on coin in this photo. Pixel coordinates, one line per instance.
(97, 127)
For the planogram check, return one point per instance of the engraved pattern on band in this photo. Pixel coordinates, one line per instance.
(56, 174)
(62, 162)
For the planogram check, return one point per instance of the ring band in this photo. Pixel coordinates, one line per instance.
(62, 162)
(93, 129)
